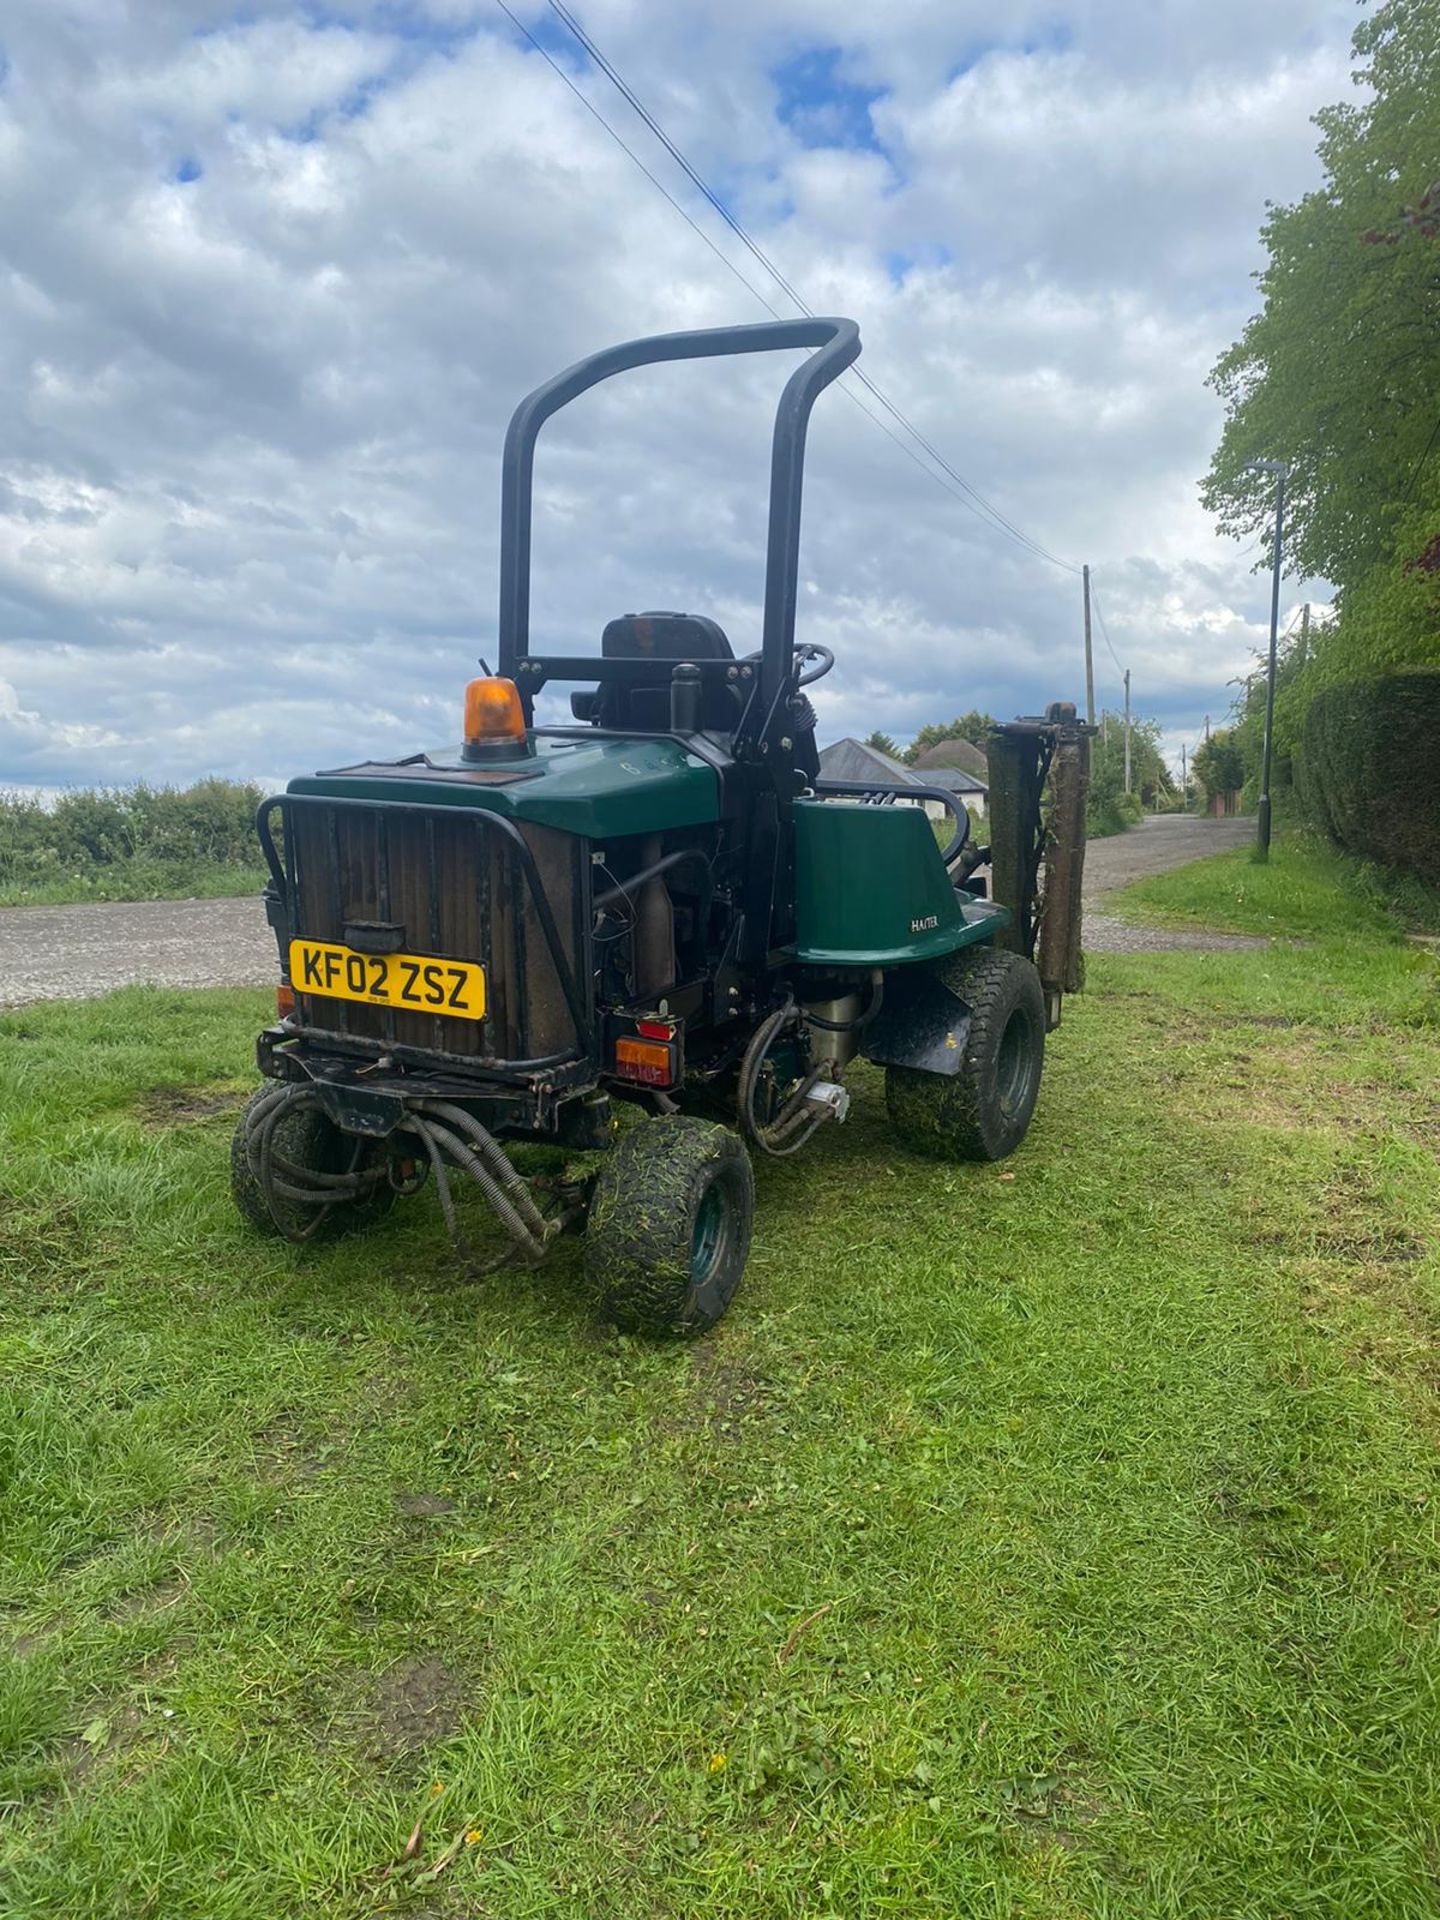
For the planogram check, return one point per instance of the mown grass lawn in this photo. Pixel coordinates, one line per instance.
(1052, 1540)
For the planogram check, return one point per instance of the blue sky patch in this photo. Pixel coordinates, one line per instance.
(820, 106)
(186, 171)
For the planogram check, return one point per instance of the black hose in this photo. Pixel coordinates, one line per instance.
(447, 1199)
(494, 1158)
(861, 1020)
(281, 1179)
(793, 1125)
(445, 1131)
(530, 1240)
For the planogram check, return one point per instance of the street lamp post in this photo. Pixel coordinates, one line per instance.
(1262, 820)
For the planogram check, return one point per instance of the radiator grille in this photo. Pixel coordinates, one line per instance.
(457, 888)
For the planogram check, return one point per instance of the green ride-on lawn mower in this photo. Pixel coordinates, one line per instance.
(661, 905)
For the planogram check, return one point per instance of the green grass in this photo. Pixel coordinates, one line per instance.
(1052, 1540)
(135, 880)
(1307, 890)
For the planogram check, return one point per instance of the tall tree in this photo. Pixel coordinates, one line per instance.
(1339, 373)
(973, 726)
(1219, 763)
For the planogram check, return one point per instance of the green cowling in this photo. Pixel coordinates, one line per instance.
(603, 789)
(871, 889)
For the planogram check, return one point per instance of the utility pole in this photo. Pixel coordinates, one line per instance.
(1089, 661)
(1184, 781)
(1127, 729)
(1262, 821)
(1305, 633)
(1207, 729)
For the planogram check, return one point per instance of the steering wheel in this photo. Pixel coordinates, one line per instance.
(805, 652)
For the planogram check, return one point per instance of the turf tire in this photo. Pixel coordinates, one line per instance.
(669, 1227)
(310, 1140)
(983, 1111)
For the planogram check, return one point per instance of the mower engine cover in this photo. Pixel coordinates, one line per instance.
(598, 788)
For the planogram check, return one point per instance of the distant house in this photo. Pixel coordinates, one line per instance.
(963, 754)
(964, 786)
(853, 760)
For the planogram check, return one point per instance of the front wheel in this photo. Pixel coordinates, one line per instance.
(669, 1227)
(983, 1111)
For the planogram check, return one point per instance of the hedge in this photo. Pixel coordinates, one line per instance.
(1366, 769)
(130, 842)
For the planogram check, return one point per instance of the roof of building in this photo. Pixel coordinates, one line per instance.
(850, 759)
(963, 754)
(952, 779)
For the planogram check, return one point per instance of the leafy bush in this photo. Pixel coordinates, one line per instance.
(130, 843)
(1109, 809)
(1113, 815)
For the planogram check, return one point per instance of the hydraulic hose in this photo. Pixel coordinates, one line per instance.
(299, 1197)
(796, 1122)
(282, 1179)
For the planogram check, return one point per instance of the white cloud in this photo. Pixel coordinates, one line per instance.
(269, 289)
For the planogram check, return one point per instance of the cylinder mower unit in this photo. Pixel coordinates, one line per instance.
(652, 938)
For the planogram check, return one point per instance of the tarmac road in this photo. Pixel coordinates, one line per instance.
(69, 953)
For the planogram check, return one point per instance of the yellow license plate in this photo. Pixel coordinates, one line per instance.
(416, 982)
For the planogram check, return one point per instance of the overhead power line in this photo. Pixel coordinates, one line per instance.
(722, 257)
(1104, 630)
(628, 93)
(947, 476)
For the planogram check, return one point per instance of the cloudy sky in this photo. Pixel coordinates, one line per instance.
(272, 278)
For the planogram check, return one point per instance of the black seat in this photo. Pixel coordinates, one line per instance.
(645, 704)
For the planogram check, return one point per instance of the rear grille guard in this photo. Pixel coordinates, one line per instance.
(570, 1063)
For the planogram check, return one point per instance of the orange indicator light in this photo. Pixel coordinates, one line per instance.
(493, 713)
(648, 1061)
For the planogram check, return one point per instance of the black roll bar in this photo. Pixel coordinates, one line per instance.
(837, 342)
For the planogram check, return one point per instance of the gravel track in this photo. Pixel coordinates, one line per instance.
(70, 953)
(1160, 842)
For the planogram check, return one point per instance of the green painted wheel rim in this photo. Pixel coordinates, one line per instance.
(1015, 1064)
(708, 1237)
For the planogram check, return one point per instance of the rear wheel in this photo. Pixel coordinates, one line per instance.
(311, 1141)
(983, 1111)
(669, 1228)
